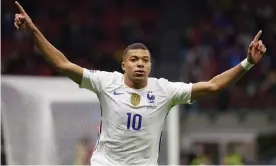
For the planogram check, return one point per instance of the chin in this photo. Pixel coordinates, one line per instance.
(139, 80)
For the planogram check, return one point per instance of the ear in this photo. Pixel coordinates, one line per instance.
(123, 65)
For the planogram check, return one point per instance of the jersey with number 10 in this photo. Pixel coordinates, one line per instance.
(132, 119)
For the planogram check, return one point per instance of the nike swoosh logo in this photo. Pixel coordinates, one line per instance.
(116, 93)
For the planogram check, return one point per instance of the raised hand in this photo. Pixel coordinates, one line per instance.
(256, 49)
(22, 20)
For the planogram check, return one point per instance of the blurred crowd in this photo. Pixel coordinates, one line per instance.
(94, 33)
(204, 154)
(261, 151)
(219, 39)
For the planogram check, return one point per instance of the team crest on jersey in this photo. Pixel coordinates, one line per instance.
(151, 97)
(135, 99)
(151, 100)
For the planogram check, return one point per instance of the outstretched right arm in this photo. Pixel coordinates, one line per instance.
(56, 58)
(50, 53)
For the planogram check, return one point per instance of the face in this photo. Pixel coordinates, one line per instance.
(137, 65)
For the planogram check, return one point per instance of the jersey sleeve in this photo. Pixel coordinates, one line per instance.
(93, 80)
(180, 92)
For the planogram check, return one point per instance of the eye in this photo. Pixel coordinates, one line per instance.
(133, 59)
(146, 60)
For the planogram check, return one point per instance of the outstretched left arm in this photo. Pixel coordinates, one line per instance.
(255, 52)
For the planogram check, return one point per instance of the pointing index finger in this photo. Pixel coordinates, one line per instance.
(22, 11)
(256, 38)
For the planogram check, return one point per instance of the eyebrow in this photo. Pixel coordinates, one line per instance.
(131, 56)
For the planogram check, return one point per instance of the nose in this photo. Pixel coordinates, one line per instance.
(140, 64)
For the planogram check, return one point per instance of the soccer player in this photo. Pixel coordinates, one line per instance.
(134, 106)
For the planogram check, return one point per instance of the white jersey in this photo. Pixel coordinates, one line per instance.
(132, 119)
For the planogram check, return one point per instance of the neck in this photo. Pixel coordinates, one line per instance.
(133, 85)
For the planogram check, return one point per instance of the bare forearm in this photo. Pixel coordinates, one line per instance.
(228, 77)
(50, 53)
(255, 52)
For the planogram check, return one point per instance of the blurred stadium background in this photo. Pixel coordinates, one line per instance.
(47, 120)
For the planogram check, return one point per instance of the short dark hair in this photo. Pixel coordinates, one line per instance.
(134, 46)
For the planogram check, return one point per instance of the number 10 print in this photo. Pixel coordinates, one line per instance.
(134, 121)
